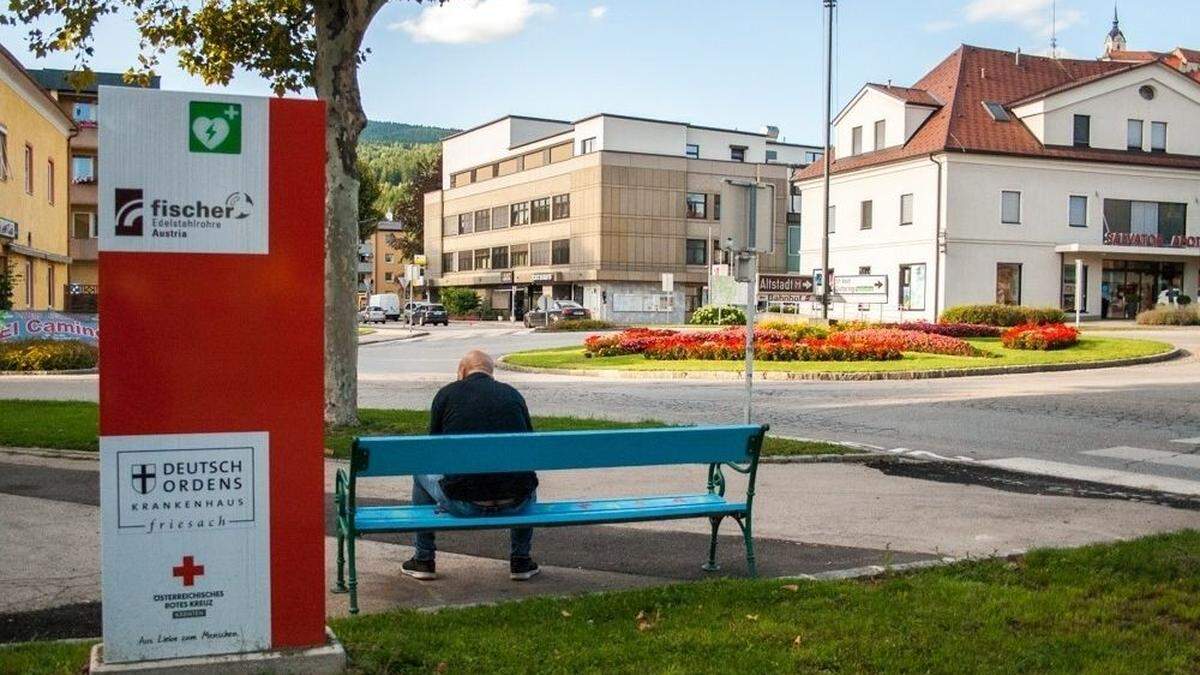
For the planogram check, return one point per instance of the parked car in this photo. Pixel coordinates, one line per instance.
(388, 302)
(430, 313)
(372, 315)
(408, 313)
(559, 309)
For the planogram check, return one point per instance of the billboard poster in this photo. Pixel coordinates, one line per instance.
(23, 325)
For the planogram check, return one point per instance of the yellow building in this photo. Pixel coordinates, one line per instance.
(387, 265)
(34, 141)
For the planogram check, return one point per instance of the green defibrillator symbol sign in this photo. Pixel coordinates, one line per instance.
(215, 126)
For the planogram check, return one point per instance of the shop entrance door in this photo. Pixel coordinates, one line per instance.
(1132, 286)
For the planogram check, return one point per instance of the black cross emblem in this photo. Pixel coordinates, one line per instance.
(143, 478)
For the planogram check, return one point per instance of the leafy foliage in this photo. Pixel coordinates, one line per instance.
(1002, 315)
(27, 355)
(7, 287)
(369, 190)
(1170, 316)
(459, 301)
(714, 315)
(566, 325)
(378, 131)
(405, 174)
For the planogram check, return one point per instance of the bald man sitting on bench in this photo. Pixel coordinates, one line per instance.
(476, 404)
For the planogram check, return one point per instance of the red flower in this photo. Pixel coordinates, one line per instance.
(1040, 336)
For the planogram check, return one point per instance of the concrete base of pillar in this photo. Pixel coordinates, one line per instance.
(328, 659)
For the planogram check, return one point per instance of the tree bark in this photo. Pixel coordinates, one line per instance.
(340, 26)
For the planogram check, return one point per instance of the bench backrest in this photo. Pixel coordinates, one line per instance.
(549, 450)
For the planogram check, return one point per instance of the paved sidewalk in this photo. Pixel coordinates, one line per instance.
(809, 518)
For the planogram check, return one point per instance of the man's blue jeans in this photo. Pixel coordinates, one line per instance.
(428, 490)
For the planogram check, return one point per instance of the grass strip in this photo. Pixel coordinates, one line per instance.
(72, 425)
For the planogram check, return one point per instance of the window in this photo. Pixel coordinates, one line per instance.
(561, 152)
(697, 205)
(540, 210)
(772, 155)
(447, 263)
(697, 251)
(466, 223)
(508, 166)
(499, 257)
(387, 276)
(832, 219)
(1158, 137)
(812, 156)
(794, 201)
(1164, 219)
(535, 159)
(716, 207)
(737, 153)
(449, 226)
(997, 111)
(460, 179)
(793, 248)
(1083, 131)
(483, 220)
(485, 172)
(587, 145)
(466, 262)
(906, 209)
(562, 206)
(50, 181)
(83, 169)
(866, 215)
(880, 134)
(1008, 283)
(29, 171)
(518, 256)
(4, 170)
(483, 259)
(856, 141)
(1010, 207)
(519, 214)
(1077, 211)
(692, 150)
(84, 113)
(29, 283)
(539, 253)
(912, 287)
(499, 217)
(388, 257)
(83, 225)
(1147, 92)
(1068, 287)
(50, 287)
(560, 252)
(1133, 134)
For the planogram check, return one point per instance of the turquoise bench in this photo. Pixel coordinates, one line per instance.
(736, 447)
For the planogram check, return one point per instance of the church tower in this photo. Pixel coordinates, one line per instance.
(1115, 42)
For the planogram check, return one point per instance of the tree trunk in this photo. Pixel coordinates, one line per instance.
(340, 26)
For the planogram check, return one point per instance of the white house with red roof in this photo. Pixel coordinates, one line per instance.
(988, 178)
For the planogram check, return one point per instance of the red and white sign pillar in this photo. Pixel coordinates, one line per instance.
(211, 380)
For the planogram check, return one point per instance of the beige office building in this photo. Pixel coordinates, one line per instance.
(598, 210)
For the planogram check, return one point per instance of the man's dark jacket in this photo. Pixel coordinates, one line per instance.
(478, 404)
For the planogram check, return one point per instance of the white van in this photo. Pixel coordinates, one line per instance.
(390, 302)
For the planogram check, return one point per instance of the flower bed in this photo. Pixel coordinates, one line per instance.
(1040, 336)
(31, 355)
(958, 330)
(729, 345)
(915, 341)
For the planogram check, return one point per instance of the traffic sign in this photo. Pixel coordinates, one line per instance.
(861, 284)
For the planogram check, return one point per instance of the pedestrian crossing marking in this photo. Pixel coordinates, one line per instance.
(1129, 479)
(1147, 455)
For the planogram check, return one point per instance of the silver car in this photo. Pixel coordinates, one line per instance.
(372, 315)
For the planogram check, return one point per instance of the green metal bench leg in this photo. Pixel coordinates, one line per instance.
(746, 535)
(711, 565)
(340, 586)
(353, 572)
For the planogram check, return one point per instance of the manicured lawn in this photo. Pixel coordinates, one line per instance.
(1089, 349)
(1129, 607)
(72, 425)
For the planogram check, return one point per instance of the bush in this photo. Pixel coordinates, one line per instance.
(1002, 315)
(1183, 300)
(579, 324)
(914, 341)
(708, 316)
(1172, 316)
(1045, 336)
(958, 330)
(26, 355)
(459, 301)
(795, 330)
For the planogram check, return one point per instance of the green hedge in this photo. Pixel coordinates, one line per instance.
(714, 315)
(459, 301)
(1174, 316)
(566, 325)
(1002, 315)
(27, 355)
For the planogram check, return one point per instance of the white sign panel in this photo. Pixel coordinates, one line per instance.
(861, 284)
(668, 282)
(199, 182)
(729, 291)
(186, 545)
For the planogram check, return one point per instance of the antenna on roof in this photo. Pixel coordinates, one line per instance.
(1054, 30)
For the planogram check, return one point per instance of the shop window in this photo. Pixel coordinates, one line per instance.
(1008, 283)
(912, 287)
(561, 252)
(697, 205)
(697, 252)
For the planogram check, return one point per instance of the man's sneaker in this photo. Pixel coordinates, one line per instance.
(522, 569)
(424, 570)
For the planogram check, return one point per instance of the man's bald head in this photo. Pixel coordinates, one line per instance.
(475, 361)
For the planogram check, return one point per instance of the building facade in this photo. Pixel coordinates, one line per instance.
(33, 188)
(989, 178)
(81, 104)
(597, 210)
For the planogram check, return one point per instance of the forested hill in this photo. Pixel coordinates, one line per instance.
(398, 132)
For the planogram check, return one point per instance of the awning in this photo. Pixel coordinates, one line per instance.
(1152, 251)
(30, 252)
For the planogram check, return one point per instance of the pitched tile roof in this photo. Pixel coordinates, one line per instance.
(907, 94)
(972, 75)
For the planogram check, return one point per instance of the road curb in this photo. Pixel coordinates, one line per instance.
(52, 453)
(81, 371)
(410, 336)
(781, 376)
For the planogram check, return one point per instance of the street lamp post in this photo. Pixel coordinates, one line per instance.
(830, 5)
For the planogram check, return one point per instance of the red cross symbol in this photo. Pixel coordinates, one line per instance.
(188, 570)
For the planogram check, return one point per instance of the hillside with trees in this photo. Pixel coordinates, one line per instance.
(398, 132)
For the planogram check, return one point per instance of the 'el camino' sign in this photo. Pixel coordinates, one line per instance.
(1151, 240)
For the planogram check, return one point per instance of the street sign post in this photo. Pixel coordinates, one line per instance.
(211, 448)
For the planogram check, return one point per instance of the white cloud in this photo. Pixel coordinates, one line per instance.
(471, 21)
(1032, 15)
(596, 13)
(939, 26)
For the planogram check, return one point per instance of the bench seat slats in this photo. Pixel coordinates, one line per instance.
(548, 514)
(551, 450)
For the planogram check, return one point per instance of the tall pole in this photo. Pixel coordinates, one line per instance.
(830, 5)
(751, 260)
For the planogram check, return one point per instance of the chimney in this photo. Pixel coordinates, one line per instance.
(1018, 57)
(771, 131)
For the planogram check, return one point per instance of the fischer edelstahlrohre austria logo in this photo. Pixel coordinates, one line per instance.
(129, 212)
(215, 127)
(171, 219)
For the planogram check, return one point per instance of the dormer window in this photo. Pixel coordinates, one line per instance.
(996, 110)
(1083, 131)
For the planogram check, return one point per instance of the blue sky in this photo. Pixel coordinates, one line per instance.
(721, 63)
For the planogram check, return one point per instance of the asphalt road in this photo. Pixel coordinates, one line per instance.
(1120, 419)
